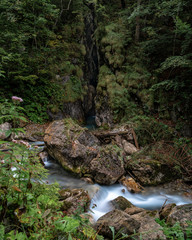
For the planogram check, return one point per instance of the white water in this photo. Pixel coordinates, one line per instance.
(151, 198)
(100, 203)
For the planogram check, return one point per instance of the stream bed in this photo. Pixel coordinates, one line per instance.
(151, 198)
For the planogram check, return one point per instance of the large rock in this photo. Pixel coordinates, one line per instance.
(78, 151)
(180, 214)
(73, 146)
(121, 203)
(149, 229)
(4, 127)
(120, 221)
(108, 166)
(151, 172)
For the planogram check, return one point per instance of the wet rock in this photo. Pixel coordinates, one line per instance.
(88, 102)
(120, 221)
(79, 151)
(93, 189)
(130, 184)
(75, 200)
(181, 214)
(121, 203)
(108, 166)
(4, 127)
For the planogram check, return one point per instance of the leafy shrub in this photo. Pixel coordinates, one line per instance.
(176, 232)
(31, 204)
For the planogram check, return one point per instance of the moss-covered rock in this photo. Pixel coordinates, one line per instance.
(79, 151)
(108, 166)
(121, 203)
(73, 146)
(151, 172)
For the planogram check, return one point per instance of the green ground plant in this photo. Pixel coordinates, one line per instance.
(176, 232)
(29, 207)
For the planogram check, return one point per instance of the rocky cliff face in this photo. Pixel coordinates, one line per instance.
(80, 68)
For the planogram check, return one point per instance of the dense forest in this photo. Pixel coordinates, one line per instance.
(124, 62)
(122, 59)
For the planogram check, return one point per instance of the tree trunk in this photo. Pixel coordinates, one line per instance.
(137, 30)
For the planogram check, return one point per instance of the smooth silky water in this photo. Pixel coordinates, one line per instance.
(151, 198)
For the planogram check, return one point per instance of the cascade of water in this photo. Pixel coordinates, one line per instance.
(100, 203)
(102, 195)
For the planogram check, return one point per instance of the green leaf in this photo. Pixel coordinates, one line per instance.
(113, 231)
(70, 237)
(72, 224)
(2, 232)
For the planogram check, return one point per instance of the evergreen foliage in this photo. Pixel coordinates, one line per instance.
(156, 70)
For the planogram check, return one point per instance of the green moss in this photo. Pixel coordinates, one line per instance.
(73, 90)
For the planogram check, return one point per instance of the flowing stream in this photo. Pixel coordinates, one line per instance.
(151, 198)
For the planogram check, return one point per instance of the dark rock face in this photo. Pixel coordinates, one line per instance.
(121, 221)
(70, 109)
(104, 115)
(74, 110)
(92, 58)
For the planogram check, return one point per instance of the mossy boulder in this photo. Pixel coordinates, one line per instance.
(121, 203)
(151, 172)
(108, 166)
(71, 145)
(79, 152)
